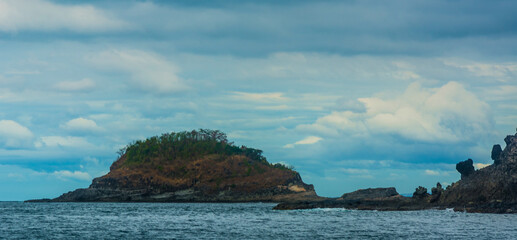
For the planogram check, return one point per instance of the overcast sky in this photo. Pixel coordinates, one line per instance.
(354, 94)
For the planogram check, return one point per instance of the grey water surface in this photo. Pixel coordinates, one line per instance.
(20, 220)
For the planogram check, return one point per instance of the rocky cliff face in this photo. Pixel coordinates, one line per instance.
(209, 179)
(490, 188)
(193, 167)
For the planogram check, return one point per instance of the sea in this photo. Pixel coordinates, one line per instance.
(19, 220)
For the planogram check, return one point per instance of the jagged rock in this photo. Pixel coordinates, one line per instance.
(491, 189)
(370, 193)
(436, 192)
(420, 192)
(465, 168)
(510, 152)
(496, 153)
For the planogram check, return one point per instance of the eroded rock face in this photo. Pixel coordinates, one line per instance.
(465, 168)
(211, 178)
(509, 155)
(490, 188)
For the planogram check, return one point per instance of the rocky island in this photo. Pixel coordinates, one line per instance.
(203, 166)
(195, 166)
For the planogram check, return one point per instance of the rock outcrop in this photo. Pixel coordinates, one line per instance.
(420, 192)
(465, 168)
(496, 153)
(436, 193)
(490, 189)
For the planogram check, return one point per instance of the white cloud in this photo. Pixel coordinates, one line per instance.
(148, 72)
(81, 125)
(446, 114)
(76, 86)
(431, 172)
(305, 141)
(492, 70)
(273, 108)
(354, 171)
(75, 175)
(39, 15)
(481, 165)
(59, 141)
(261, 97)
(14, 135)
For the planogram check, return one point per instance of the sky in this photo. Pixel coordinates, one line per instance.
(353, 94)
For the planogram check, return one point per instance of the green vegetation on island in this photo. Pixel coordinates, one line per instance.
(187, 145)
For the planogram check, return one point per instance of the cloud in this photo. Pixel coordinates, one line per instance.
(39, 15)
(446, 114)
(481, 165)
(147, 71)
(64, 174)
(273, 107)
(354, 171)
(306, 141)
(81, 125)
(500, 71)
(431, 172)
(14, 135)
(261, 97)
(83, 85)
(59, 141)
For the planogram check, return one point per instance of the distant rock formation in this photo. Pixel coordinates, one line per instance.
(465, 168)
(370, 193)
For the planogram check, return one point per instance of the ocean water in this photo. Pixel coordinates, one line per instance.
(20, 220)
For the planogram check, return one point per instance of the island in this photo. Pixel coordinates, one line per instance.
(203, 166)
(192, 166)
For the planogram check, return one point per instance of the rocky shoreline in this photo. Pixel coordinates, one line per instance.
(240, 178)
(492, 189)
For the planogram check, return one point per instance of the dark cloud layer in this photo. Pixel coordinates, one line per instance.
(251, 28)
